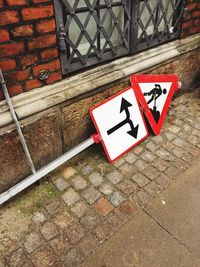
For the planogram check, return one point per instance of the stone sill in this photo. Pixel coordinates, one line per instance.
(40, 99)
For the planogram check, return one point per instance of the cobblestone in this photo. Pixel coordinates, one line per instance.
(17, 258)
(141, 165)
(103, 231)
(49, 230)
(116, 199)
(148, 156)
(172, 172)
(131, 157)
(95, 178)
(63, 219)
(39, 217)
(60, 245)
(79, 209)
(142, 198)
(151, 172)
(103, 206)
(163, 180)
(68, 172)
(90, 220)
(160, 164)
(53, 207)
(127, 170)
(127, 187)
(106, 189)
(70, 197)
(72, 258)
(115, 177)
(88, 244)
(140, 179)
(75, 233)
(86, 170)
(32, 242)
(79, 183)
(91, 195)
(44, 257)
(61, 184)
(138, 150)
(152, 188)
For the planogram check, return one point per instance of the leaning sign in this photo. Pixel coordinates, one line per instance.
(120, 120)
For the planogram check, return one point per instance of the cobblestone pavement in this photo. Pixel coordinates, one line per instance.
(69, 215)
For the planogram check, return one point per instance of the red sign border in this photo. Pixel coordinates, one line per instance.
(98, 131)
(136, 79)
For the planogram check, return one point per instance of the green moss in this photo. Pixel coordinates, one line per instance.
(36, 198)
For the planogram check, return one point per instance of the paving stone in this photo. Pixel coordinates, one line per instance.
(79, 183)
(141, 164)
(142, 199)
(168, 146)
(181, 164)
(116, 198)
(187, 157)
(115, 177)
(53, 207)
(79, 209)
(151, 172)
(103, 206)
(160, 164)
(68, 172)
(186, 127)
(152, 188)
(95, 178)
(140, 179)
(39, 217)
(178, 152)
(163, 180)
(127, 169)
(103, 231)
(32, 242)
(86, 170)
(49, 230)
(119, 162)
(91, 195)
(73, 257)
(44, 257)
(131, 157)
(63, 219)
(2, 265)
(106, 189)
(127, 208)
(138, 150)
(115, 221)
(158, 139)
(61, 184)
(88, 245)
(152, 146)
(90, 220)
(16, 258)
(169, 135)
(60, 245)
(164, 154)
(127, 187)
(70, 197)
(174, 129)
(194, 140)
(172, 172)
(148, 156)
(75, 233)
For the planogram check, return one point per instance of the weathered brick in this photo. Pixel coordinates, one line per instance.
(187, 24)
(32, 84)
(7, 64)
(8, 17)
(196, 14)
(18, 76)
(1, 3)
(194, 30)
(39, 1)
(28, 60)
(32, 13)
(24, 30)
(50, 53)
(46, 26)
(17, 3)
(15, 89)
(191, 6)
(11, 49)
(4, 35)
(42, 42)
(51, 66)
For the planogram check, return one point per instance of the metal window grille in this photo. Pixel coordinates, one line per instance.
(95, 31)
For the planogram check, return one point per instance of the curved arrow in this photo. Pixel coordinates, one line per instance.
(134, 130)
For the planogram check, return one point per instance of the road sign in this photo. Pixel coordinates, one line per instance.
(119, 122)
(155, 92)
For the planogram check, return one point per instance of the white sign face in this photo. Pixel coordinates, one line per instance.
(120, 123)
(156, 95)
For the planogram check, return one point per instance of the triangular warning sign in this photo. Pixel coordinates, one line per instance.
(154, 93)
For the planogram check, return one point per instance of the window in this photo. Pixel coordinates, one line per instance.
(95, 31)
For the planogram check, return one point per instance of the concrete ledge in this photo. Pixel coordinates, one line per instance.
(43, 98)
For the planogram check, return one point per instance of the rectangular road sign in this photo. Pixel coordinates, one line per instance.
(119, 122)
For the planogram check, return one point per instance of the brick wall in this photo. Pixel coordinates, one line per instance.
(27, 44)
(191, 19)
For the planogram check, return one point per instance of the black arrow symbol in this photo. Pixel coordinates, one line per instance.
(134, 130)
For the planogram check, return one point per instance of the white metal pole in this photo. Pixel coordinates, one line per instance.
(45, 170)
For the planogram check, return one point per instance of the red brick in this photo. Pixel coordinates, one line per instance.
(1, 95)
(194, 30)
(197, 21)
(40, 1)
(4, 36)
(191, 6)
(25, 30)
(41, 42)
(11, 49)
(17, 3)
(51, 53)
(46, 26)
(28, 60)
(32, 84)
(17, 76)
(7, 65)
(187, 24)
(8, 17)
(15, 89)
(1, 3)
(196, 14)
(51, 66)
(54, 77)
(32, 13)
